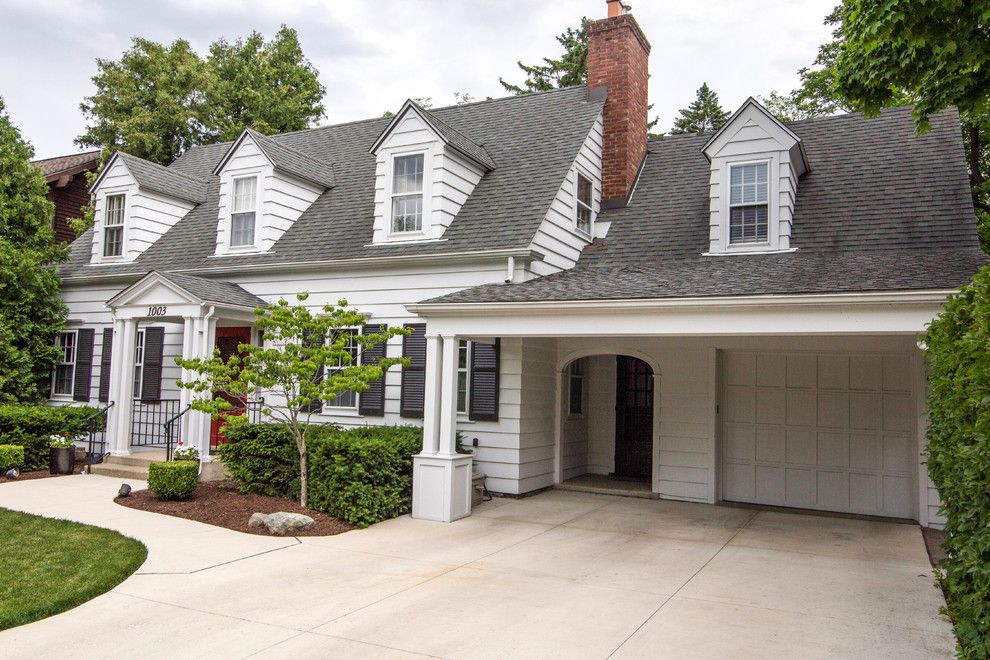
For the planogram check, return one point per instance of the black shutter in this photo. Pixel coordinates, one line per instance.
(414, 376)
(316, 405)
(105, 364)
(483, 402)
(373, 399)
(151, 378)
(84, 364)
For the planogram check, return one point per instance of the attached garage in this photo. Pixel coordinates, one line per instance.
(824, 431)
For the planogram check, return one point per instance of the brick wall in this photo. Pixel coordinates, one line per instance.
(69, 200)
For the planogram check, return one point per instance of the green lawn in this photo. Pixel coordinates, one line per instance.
(48, 566)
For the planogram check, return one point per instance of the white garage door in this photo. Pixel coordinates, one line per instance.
(819, 431)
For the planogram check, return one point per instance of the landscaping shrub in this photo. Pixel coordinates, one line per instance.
(11, 456)
(30, 426)
(261, 458)
(173, 480)
(959, 457)
(363, 475)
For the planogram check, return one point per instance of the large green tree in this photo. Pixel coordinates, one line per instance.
(270, 87)
(31, 311)
(703, 115)
(159, 100)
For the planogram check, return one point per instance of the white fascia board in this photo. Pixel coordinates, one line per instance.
(824, 314)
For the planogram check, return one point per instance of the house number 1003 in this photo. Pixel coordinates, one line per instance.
(161, 310)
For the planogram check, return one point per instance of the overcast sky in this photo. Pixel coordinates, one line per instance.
(373, 54)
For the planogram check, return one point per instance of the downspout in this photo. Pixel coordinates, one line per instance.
(510, 269)
(206, 338)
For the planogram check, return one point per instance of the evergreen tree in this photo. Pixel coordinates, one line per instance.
(703, 115)
(31, 311)
(569, 69)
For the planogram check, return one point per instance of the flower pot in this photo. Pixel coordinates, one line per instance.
(61, 460)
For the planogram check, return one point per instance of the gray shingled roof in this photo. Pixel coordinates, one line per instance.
(289, 160)
(458, 140)
(53, 167)
(164, 181)
(533, 138)
(881, 209)
(214, 291)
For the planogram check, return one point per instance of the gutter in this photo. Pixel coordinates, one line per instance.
(469, 256)
(599, 307)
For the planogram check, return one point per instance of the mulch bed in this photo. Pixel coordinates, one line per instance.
(43, 474)
(220, 503)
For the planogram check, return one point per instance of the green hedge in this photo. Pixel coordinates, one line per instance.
(30, 425)
(173, 480)
(363, 475)
(11, 456)
(959, 457)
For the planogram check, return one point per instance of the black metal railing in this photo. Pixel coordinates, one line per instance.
(96, 445)
(171, 437)
(148, 421)
(252, 408)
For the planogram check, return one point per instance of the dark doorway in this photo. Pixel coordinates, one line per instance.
(228, 339)
(633, 419)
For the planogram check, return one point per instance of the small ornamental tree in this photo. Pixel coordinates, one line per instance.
(305, 358)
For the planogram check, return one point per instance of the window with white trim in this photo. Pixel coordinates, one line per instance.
(113, 226)
(346, 399)
(583, 205)
(407, 193)
(463, 375)
(138, 363)
(244, 210)
(63, 379)
(575, 387)
(749, 210)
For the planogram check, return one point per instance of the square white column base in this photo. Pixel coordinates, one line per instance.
(441, 487)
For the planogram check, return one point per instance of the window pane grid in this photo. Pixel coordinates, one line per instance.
(242, 229)
(138, 363)
(748, 209)
(584, 203)
(407, 193)
(575, 381)
(244, 194)
(346, 399)
(64, 376)
(463, 360)
(113, 221)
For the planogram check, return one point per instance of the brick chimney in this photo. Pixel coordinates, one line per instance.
(618, 58)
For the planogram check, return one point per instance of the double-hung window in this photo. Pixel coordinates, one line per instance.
(749, 189)
(346, 399)
(244, 209)
(463, 375)
(138, 363)
(584, 203)
(113, 226)
(575, 387)
(65, 369)
(407, 193)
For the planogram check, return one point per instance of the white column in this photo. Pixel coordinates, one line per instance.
(202, 347)
(121, 386)
(186, 396)
(441, 478)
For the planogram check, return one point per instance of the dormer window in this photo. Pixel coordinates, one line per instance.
(113, 226)
(583, 205)
(407, 193)
(749, 217)
(243, 211)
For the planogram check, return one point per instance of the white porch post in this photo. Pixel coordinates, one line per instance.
(204, 339)
(186, 396)
(441, 477)
(121, 386)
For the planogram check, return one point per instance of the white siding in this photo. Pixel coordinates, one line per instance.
(147, 216)
(558, 237)
(448, 181)
(282, 198)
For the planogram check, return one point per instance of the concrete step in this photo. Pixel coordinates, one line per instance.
(138, 458)
(121, 471)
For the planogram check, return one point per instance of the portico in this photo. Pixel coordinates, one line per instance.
(161, 317)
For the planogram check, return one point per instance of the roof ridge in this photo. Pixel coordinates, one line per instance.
(75, 155)
(288, 148)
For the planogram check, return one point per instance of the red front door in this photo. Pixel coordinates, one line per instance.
(228, 339)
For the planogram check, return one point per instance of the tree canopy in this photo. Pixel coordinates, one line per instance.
(31, 311)
(571, 68)
(157, 100)
(704, 114)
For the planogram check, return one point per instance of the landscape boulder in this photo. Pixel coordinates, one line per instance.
(257, 520)
(281, 523)
(13, 473)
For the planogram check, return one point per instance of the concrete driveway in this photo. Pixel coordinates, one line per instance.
(558, 574)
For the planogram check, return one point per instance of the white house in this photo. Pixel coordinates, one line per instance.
(732, 316)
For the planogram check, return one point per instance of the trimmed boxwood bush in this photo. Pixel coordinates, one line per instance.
(11, 456)
(959, 457)
(29, 426)
(261, 458)
(173, 480)
(363, 475)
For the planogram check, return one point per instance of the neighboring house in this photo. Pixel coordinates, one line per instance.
(731, 316)
(68, 188)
